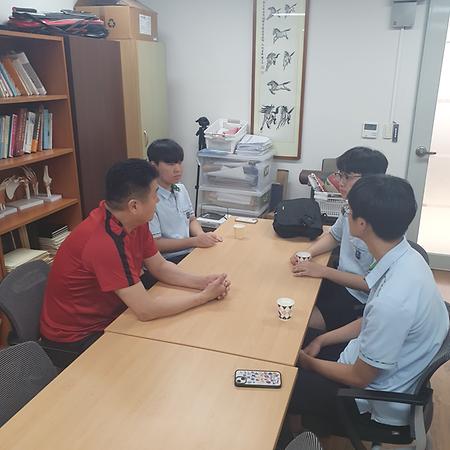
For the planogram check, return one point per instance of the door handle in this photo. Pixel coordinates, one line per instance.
(422, 151)
(146, 139)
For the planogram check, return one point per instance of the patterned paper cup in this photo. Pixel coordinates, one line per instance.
(285, 307)
(303, 256)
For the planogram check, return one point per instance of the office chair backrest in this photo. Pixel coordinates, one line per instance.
(441, 357)
(25, 369)
(305, 441)
(419, 249)
(329, 165)
(21, 295)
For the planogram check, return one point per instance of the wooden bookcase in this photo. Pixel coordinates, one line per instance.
(46, 55)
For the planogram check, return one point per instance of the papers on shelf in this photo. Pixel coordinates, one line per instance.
(252, 144)
(22, 255)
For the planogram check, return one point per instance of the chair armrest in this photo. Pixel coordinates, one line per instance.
(303, 176)
(420, 399)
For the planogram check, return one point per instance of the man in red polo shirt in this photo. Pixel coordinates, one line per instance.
(96, 272)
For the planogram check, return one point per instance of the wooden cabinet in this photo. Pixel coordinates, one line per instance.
(47, 56)
(144, 94)
(95, 81)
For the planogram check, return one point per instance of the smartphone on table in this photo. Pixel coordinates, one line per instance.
(257, 378)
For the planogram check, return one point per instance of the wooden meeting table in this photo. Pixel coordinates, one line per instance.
(246, 322)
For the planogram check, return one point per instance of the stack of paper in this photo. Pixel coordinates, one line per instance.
(52, 244)
(252, 144)
(23, 255)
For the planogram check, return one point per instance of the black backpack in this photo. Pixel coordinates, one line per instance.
(298, 217)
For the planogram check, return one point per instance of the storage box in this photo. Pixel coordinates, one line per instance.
(124, 19)
(232, 211)
(249, 173)
(217, 138)
(330, 203)
(244, 201)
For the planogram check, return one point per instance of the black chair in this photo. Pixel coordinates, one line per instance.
(25, 369)
(421, 402)
(21, 297)
(419, 249)
(305, 441)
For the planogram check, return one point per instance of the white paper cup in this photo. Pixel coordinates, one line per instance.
(303, 256)
(239, 230)
(285, 307)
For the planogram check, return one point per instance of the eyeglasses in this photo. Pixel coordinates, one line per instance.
(344, 176)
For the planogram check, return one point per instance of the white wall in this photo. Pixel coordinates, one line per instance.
(208, 44)
(42, 5)
(349, 74)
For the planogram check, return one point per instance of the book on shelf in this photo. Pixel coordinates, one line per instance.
(36, 132)
(35, 80)
(10, 82)
(29, 130)
(47, 230)
(8, 65)
(12, 135)
(18, 77)
(26, 131)
(3, 90)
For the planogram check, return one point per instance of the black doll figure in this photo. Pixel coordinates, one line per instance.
(203, 123)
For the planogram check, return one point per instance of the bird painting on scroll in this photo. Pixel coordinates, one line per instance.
(278, 72)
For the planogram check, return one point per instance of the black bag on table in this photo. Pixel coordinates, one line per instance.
(298, 217)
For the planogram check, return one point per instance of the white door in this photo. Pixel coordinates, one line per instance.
(429, 160)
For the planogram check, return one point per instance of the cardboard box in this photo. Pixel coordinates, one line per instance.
(125, 19)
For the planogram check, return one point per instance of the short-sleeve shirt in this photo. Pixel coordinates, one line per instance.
(354, 256)
(96, 259)
(172, 216)
(404, 324)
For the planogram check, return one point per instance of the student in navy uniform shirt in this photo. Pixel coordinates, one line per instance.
(343, 292)
(95, 275)
(174, 226)
(403, 326)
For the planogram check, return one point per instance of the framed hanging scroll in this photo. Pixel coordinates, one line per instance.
(279, 46)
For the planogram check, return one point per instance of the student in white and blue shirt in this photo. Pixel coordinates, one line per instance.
(343, 291)
(404, 324)
(174, 226)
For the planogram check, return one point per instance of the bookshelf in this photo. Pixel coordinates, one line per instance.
(47, 56)
(31, 99)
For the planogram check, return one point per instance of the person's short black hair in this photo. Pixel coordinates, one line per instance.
(165, 150)
(387, 203)
(362, 160)
(128, 179)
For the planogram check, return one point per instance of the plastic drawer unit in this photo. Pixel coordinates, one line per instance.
(244, 201)
(243, 173)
